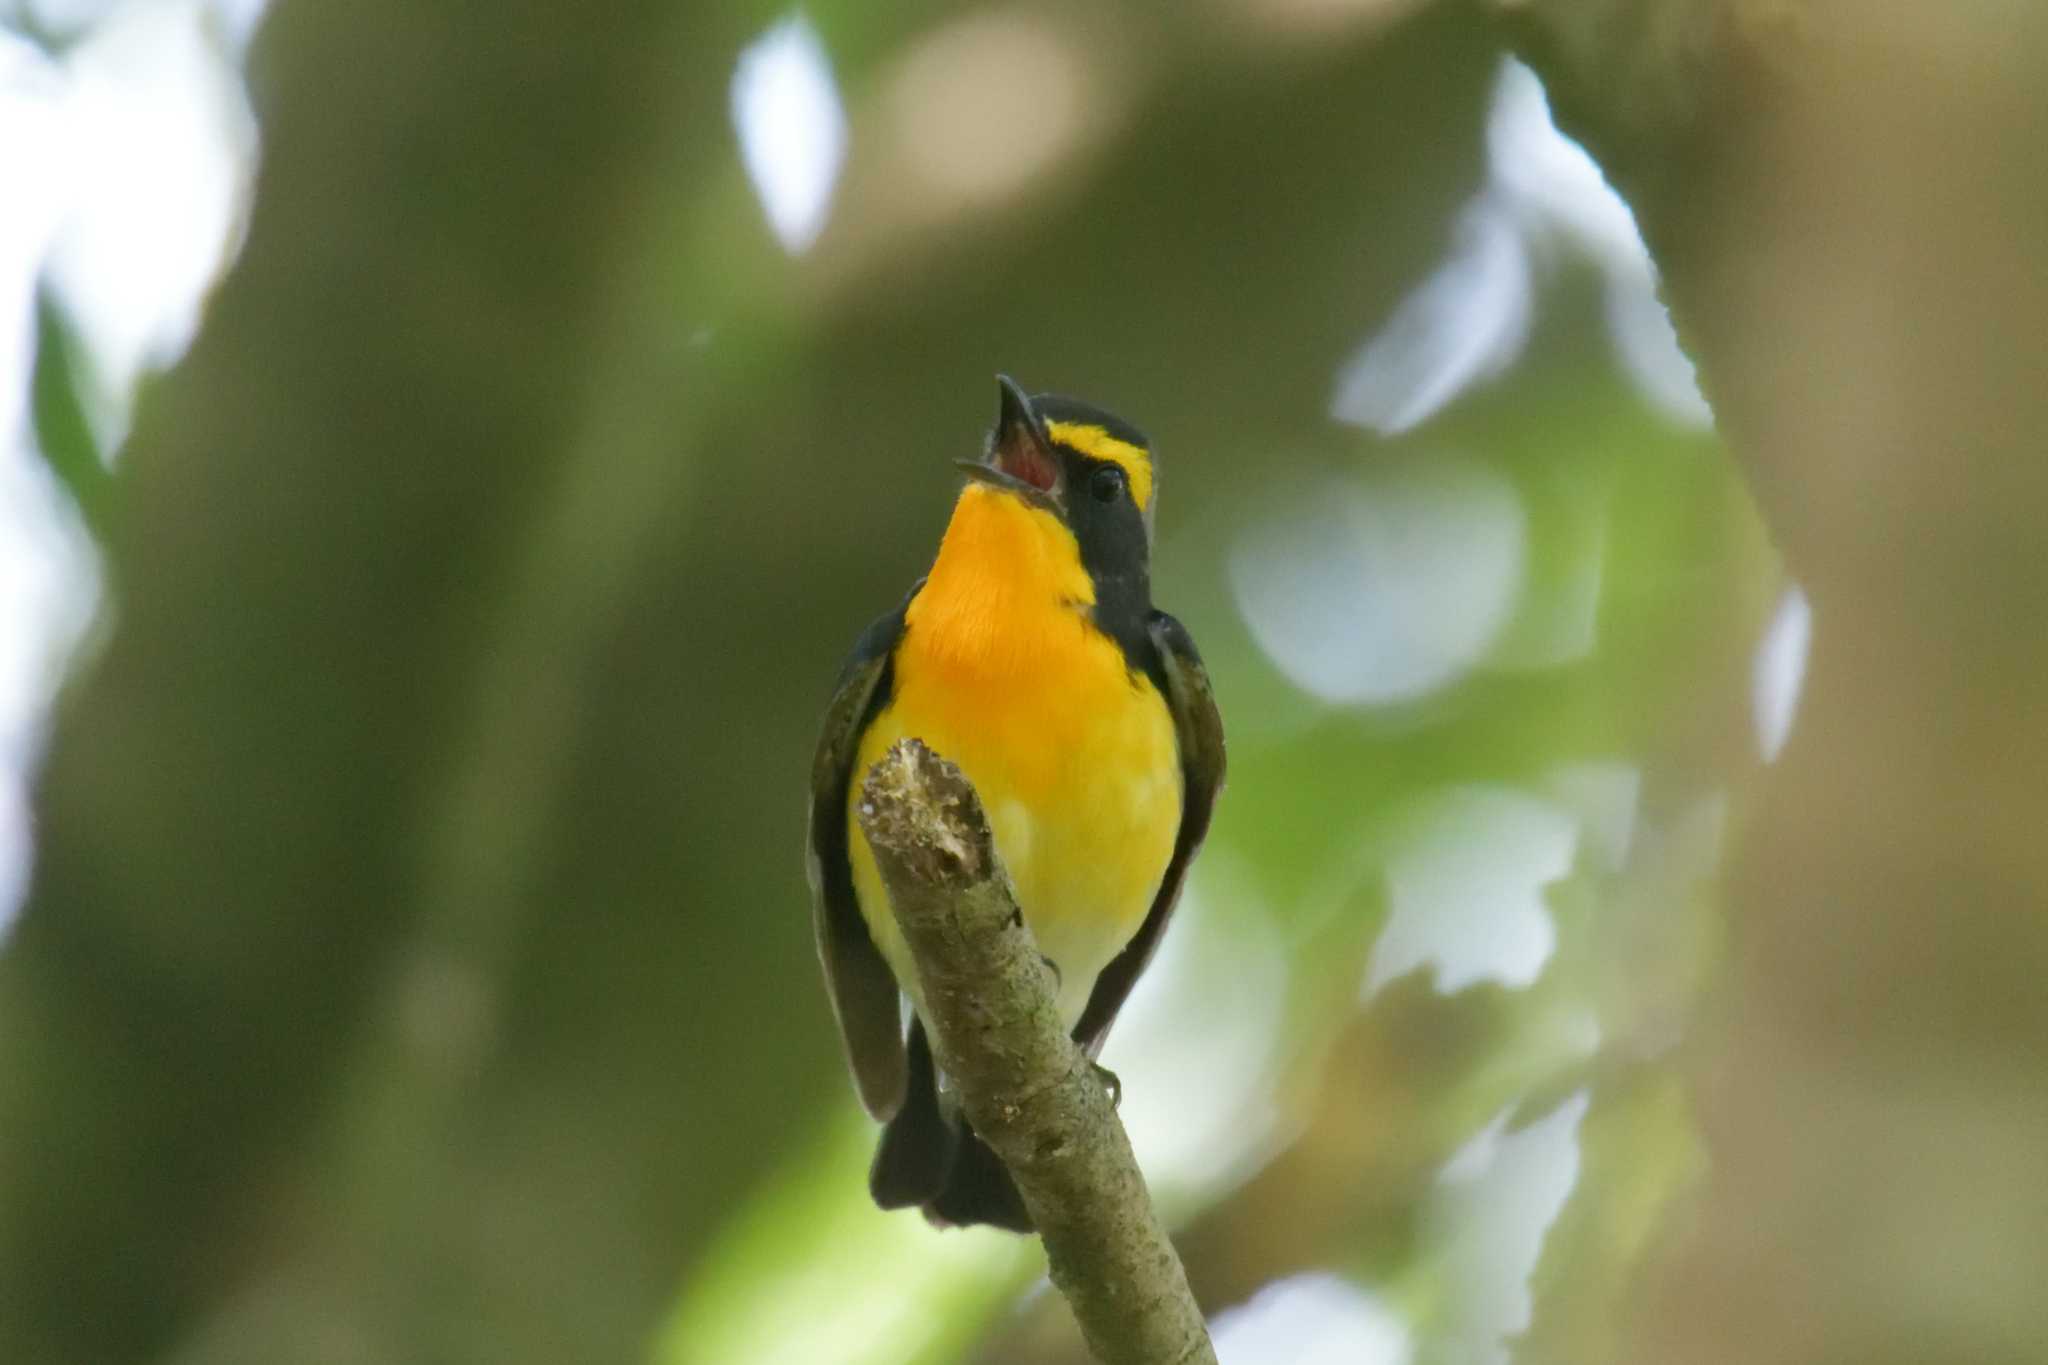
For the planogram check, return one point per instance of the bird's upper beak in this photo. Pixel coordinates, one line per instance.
(1020, 457)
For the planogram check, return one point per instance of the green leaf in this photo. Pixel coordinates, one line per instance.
(62, 432)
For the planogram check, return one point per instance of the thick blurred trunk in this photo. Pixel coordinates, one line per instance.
(1848, 201)
(288, 822)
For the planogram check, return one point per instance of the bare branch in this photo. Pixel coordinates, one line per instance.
(1027, 1089)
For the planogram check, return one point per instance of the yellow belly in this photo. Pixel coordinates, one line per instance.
(1075, 760)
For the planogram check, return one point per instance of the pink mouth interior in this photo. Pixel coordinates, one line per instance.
(1027, 462)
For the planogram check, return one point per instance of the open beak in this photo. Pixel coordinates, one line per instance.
(1020, 458)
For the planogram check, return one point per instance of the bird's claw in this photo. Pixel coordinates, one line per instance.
(1109, 1082)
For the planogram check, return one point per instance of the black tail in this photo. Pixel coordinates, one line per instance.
(929, 1157)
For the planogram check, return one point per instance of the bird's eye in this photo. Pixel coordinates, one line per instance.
(1107, 485)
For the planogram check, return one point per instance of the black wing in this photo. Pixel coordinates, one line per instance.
(863, 990)
(1200, 730)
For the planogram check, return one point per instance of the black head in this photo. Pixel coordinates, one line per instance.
(1092, 470)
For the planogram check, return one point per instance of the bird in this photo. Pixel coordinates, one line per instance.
(1031, 656)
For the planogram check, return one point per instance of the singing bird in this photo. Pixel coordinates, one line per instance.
(1032, 657)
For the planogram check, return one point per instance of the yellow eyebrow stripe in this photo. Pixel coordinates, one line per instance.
(1098, 444)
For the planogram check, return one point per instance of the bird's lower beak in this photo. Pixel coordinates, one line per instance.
(1020, 457)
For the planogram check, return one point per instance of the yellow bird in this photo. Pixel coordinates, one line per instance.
(1032, 657)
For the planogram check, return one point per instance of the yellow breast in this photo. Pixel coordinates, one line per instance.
(1072, 753)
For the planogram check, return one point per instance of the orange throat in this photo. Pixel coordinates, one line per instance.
(1007, 594)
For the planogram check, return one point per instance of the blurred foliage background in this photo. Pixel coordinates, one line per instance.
(450, 449)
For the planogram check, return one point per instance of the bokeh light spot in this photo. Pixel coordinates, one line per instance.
(985, 105)
(1470, 318)
(161, 146)
(1466, 889)
(1312, 1319)
(792, 129)
(1387, 588)
(1466, 323)
(1779, 671)
(1494, 1204)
